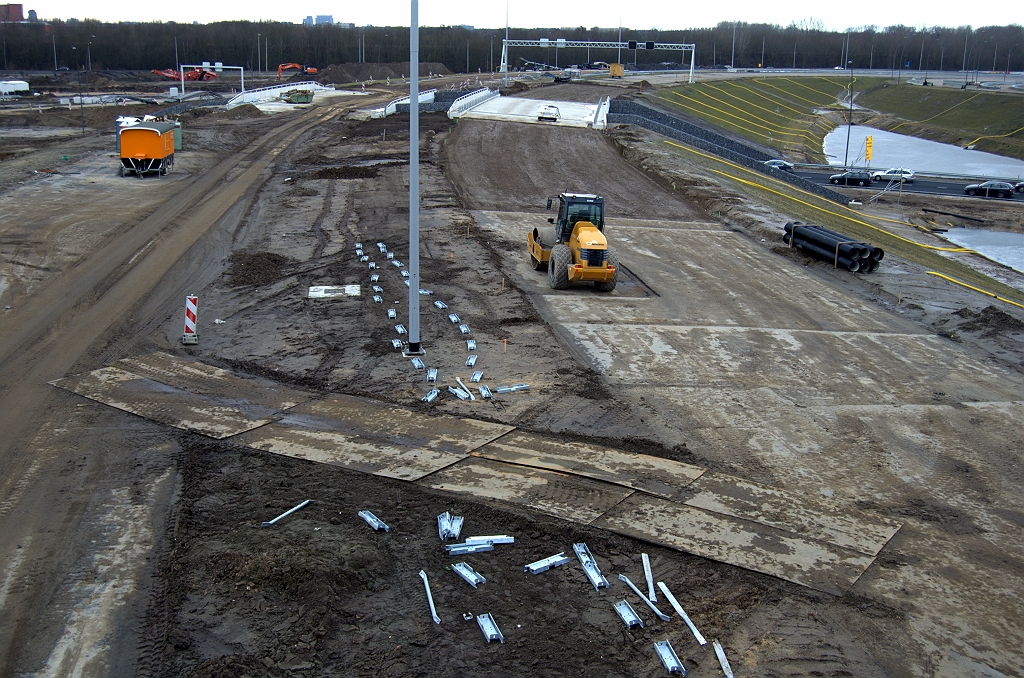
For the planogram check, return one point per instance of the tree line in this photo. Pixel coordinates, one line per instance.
(75, 45)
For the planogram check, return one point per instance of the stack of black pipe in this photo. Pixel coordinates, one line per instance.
(833, 247)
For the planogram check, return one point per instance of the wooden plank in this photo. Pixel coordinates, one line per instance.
(213, 382)
(848, 528)
(210, 416)
(655, 475)
(743, 543)
(564, 496)
(373, 437)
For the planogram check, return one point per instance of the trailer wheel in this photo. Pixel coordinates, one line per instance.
(558, 267)
(609, 285)
(536, 263)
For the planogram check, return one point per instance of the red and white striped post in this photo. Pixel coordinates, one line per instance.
(191, 313)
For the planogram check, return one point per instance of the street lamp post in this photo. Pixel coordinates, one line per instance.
(88, 53)
(733, 62)
(379, 46)
(849, 124)
(967, 36)
(81, 100)
(54, 36)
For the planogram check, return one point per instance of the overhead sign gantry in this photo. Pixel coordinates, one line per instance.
(561, 43)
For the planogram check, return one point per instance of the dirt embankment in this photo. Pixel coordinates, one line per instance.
(361, 72)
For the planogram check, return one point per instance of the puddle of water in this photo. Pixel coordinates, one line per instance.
(1002, 246)
(921, 155)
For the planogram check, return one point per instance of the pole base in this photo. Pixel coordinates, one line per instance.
(413, 349)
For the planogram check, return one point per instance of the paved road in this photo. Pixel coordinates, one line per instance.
(922, 186)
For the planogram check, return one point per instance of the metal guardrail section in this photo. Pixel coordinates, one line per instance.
(471, 100)
(252, 96)
(425, 97)
(601, 114)
(208, 99)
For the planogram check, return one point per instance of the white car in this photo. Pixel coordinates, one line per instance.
(549, 113)
(780, 165)
(900, 174)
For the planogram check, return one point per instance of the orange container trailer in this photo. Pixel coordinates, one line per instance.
(147, 148)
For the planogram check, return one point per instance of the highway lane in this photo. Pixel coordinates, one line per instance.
(923, 186)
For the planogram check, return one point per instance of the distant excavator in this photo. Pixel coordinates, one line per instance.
(305, 70)
(200, 74)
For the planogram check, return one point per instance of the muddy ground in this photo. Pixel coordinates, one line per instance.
(213, 594)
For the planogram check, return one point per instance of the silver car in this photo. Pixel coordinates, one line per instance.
(901, 174)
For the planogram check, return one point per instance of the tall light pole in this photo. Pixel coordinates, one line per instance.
(88, 53)
(619, 53)
(259, 61)
(732, 64)
(849, 124)
(414, 348)
(54, 36)
(81, 100)
(379, 46)
(994, 54)
(967, 36)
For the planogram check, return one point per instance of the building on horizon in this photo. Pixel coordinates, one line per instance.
(322, 19)
(12, 13)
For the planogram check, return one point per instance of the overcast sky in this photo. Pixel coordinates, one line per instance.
(533, 13)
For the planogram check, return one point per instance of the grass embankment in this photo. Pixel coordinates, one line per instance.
(990, 121)
(782, 113)
(880, 231)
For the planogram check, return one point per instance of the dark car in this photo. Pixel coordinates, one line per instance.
(851, 178)
(780, 164)
(1019, 187)
(991, 189)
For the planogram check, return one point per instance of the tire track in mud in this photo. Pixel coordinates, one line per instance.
(58, 325)
(94, 298)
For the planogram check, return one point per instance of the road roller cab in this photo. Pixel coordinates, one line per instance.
(574, 248)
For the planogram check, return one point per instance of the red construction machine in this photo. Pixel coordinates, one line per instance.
(200, 74)
(305, 70)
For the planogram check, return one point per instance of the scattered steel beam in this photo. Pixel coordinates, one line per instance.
(661, 615)
(545, 564)
(490, 628)
(726, 669)
(590, 567)
(682, 613)
(471, 576)
(628, 615)
(650, 578)
(286, 513)
(668, 657)
(373, 521)
(430, 598)
(491, 539)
